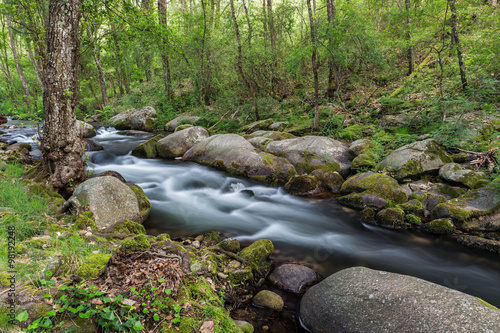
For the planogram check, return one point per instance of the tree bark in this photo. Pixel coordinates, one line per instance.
(314, 65)
(240, 63)
(162, 18)
(272, 33)
(456, 42)
(408, 37)
(250, 30)
(20, 72)
(102, 77)
(61, 144)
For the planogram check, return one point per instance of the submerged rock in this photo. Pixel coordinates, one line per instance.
(232, 153)
(176, 145)
(359, 299)
(313, 152)
(415, 159)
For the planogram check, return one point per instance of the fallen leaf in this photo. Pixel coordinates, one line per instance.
(207, 327)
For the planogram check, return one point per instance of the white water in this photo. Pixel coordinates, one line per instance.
(188, 198)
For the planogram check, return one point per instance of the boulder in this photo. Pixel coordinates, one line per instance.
(279, 126)
(392, 218)
(148, 149)
(329, 181)
(176, 145)
(86, 130)
(308, 153)
(360, 146)
(302, 185)
(370, 189)
(456, 174)
(293, 278)
(257, 252)
(92, 145)
(415, 159)
(268, 300)
(121, 121)
(144, 119)
(479, 243)
(108, 199)
(260, 139)
(440, 227)
(232, 153)
(359, 299)
(258, 125)
(184, 119)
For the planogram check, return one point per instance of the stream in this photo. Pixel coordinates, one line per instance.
(188, 198)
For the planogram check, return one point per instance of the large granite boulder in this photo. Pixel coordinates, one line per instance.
(86, 130)
(109, 200)
(456, 174)
(184, 119)
(143, 119)
(121, 121)
(371, 189)
(234, 154)
(308, 153)
(359, 299)
(176, 144)
(415, 159)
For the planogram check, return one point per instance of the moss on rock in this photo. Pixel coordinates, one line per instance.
(143, 201)
(139, 242)
(93, 266)
(440, 227)
(86, 220)
(148, 149)
(257, 252)
(302, 185)
(413, 219)
(393, 218)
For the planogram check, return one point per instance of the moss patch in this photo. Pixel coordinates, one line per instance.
(257, 252)
(391, 218)
(93, 266)
(440, 227)
(142, 199)
(139, 242)
(86, 220)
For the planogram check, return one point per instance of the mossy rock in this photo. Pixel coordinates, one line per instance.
(211, 238)
(230, 244)
(86, 220)
(440, 227)
(413, 219)
(413, 207)
(364, 200)
(143, 200)
(6, 279)
(329, 180)
(125, 227)
(459, 158)
(183, 127)
(148, 149)
(257, 252)
(93, 266)
(456, 174)
(302, 185)
(363, 162)
(137, 243)
(240, 275)
(379, 184)
(393, 218)
(258, 125)
(368, 215)
(25, 145)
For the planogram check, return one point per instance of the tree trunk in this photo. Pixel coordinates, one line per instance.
(250, 30)
(102, 77)
(264, 19)
(408, 36)
(333, 71)
(240, 63)
(20, 72)
(4, 65)
(314, 65)
(272, 33)
(162, 18)
(61, 144)
(456, 42)
(35, 65)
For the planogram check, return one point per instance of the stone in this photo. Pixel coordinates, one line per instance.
(392, 218)
(92, 145)
(415, 159)
(258, 125)
(148, 149)
(456, 174)
(86, 130)
(479, 243)
(359, 299)
(308, 153)
(139, 242)
(144, 119)
(121, 121)
(176, 144)
(183, 119)
(371, 189)
(233, 154)
(244, 326)
(440, 227)
(268, 300)
(260, 139)
(108, 199)
(359, 147)
(279, 126)
(257, 252)
(293, 278)
(331, 181)
(230, 244)
(302, 185)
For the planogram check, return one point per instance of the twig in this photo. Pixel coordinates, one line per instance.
(219, 120)
(229, 254)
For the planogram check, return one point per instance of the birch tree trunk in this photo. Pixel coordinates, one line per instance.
(61, 144)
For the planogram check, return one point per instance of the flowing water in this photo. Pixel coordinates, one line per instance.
(188, 198)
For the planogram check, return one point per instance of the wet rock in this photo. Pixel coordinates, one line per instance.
(313, 152)
(121, 121)
(108, 199)
(257, 252)
(415, 159)
(86, 130)
(232, 153)
(148, 149)
(456, 174)
(331, 181)
(293, 278)
(244, 326)
(302, 185)
(392, 218)
(134, 133)
(230, 244)
(359, 299)
(92, 145)
(183, 119)
(269, 300)
(258, 125)
(143, 119)
(479, 243)
(176, 145)
(440, 227)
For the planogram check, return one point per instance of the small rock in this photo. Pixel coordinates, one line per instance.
(268, 299)
(293, 278)
(196, 244)
(245, 327)
(230, 244)
(233, 264)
